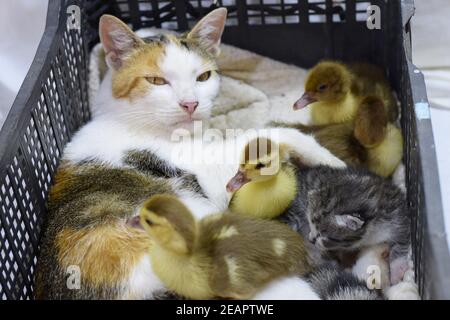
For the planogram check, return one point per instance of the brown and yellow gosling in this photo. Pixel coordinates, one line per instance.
(334, 91)
(223, 255)
(369, 141)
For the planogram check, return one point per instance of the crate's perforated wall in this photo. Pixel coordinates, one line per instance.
(56, 109)
(52, 106)
(182, 14)
(59, 105)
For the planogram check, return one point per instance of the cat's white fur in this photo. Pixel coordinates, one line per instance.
(119, 125)
(404, 290)
(289, 288)
(159, 110)
(371, 257)
(376, 256)
(142, 281)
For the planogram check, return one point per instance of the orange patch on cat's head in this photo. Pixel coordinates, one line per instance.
(130, 80)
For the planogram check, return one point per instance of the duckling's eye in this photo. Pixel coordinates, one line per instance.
(204, 76)
(322, 87)
(260, 165)
(149, 222)
(157, 81)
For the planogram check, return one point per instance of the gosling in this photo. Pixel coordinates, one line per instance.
(225, 255)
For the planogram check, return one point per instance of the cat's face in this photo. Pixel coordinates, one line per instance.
(338, 219)
(165, 82)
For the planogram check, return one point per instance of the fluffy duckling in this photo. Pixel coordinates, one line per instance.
(370, 141)
(381, 139)
(221, 256)
(335, 90)
(265, 184)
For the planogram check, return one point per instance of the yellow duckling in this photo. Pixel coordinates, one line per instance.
(359, 95)
(369, 141)
(382, 140)
(265, 184)
(221, 256)
(335, 91)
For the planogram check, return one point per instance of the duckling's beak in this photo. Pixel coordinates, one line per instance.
(306, 99)
(237, 181)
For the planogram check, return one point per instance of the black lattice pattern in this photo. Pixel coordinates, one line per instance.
(182, 14)
(54, 101)
(413, 181)
(54, 113)
(19, 232)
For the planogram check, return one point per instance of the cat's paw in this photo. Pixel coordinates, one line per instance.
(306, 148)
(403, 291)
(398, 268)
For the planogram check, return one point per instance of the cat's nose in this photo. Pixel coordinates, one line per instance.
(189, 106)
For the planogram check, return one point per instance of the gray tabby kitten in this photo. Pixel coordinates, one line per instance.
(343, 210)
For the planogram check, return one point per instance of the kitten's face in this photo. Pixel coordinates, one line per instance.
(338, 219)
(165, 82)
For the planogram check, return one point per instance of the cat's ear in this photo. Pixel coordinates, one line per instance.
(117, 39)
(349, 221)
(208, 31)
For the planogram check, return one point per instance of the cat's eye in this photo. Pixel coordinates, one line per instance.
(259, 165)
(157, 81)
(322, 87)
(204, 76)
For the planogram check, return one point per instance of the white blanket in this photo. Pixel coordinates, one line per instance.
(254, 89)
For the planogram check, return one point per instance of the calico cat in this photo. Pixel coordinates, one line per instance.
(344, 210)
(109, 169)
(126, 153)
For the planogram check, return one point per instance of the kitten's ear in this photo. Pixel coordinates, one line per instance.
(117, 39)
(208, 30)
(351, 222)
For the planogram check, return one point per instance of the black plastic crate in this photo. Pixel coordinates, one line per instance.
(53, 103)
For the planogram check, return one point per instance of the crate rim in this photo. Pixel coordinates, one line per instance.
(20, 113)
(434, 218)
